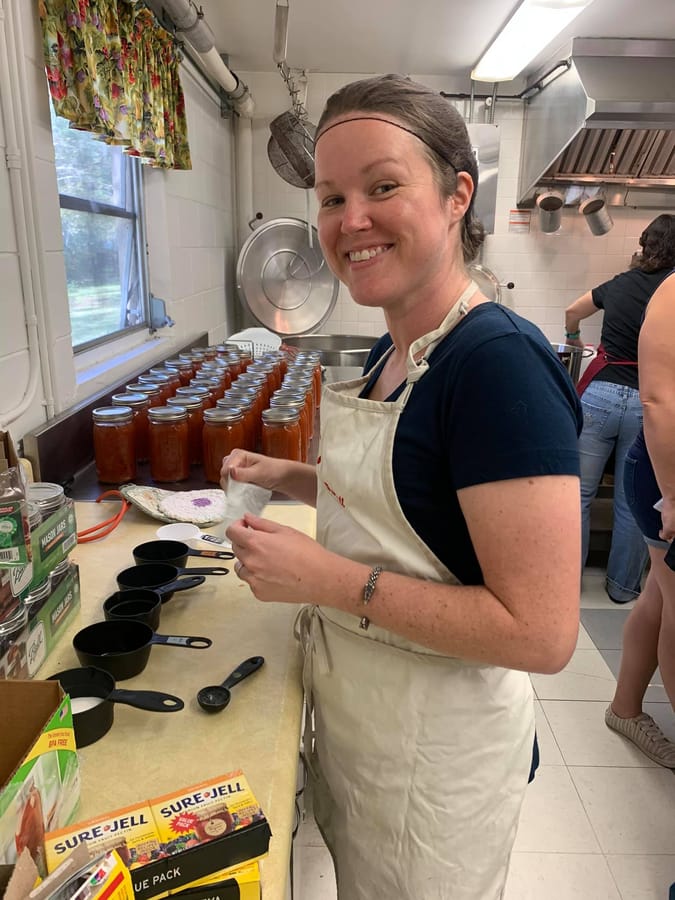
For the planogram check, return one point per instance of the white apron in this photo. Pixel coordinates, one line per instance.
(420, 761)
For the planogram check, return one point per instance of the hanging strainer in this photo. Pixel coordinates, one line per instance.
(290, 149)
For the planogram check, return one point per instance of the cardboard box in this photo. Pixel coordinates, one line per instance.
(22, 655)
(170, 842)
(242, 883)
(50, 544)
(78, 878)
(39, 774)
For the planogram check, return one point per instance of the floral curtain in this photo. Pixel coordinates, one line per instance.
(113, 70)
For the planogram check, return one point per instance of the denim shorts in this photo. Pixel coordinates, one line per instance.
(642, 492)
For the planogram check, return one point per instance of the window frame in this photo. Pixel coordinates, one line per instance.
(133, 211)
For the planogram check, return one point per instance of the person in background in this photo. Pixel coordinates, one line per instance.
(649, 631)
(609, 391)
(448, 520)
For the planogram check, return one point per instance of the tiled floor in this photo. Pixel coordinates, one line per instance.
(598, 822)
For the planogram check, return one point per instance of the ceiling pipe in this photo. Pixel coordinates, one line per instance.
(190, 23)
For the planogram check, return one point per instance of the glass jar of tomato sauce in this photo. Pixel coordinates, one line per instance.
(169, 443)
(195, 411)
(223, 433)
(139, 403)
(114, 444)
(281, 435)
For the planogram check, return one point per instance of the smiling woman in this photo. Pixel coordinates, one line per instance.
(435, 468)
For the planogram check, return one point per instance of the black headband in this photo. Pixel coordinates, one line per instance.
(396, 125)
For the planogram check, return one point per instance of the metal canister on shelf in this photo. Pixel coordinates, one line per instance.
(281, 435)
(47, 496)
(169, 443)
(139, 403)
(223, 433)
(114, 444)
(195, 410)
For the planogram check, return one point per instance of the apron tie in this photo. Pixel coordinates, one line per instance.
(308, 630)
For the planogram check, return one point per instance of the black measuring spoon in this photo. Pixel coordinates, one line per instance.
(217, 696)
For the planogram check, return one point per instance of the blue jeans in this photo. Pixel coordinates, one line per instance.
(612, 420)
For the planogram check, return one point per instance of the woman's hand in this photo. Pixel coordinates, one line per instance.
(575, 342)
(278, 563)
(251, 468)
(667, 532)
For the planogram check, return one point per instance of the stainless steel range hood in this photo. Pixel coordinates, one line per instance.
(604, 119)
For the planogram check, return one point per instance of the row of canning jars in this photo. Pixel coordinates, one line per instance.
(269, 405)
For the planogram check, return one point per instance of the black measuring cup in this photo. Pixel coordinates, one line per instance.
(173, 552)
(93, 696)
(141, 605)
(123, 647)
(217, 696)
(162, 577)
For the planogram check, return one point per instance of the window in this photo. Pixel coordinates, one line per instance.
(103, 240)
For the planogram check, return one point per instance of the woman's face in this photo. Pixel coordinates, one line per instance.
(384, 229)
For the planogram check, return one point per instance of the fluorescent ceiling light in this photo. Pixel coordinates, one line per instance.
(531, 28)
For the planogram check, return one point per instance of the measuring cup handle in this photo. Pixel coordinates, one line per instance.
(243, 670)
(182, 640)
(206, 570)
(181, 584)
(155, 701)
(212, 554)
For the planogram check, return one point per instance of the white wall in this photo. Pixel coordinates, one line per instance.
(190, 235)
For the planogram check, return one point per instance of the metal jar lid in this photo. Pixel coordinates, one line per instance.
(142, 387)
(167, 414)
(220, 414)
(129, 398)
(112, 414)
(13, 623)
(193, 390)
(186, 401)
(178, 364)
(280, 415)
(46, 495)
(154, 378)
(233, 400)
(40, 592)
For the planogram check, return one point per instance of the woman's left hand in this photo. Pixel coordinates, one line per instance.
(278, 563)
(574, 342)
(667, 532)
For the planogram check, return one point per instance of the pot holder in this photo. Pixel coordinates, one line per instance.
(204, 507)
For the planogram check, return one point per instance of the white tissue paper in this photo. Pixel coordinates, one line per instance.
(241, 498)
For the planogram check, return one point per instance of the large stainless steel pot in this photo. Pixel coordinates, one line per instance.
(571, 358)
(336, 349)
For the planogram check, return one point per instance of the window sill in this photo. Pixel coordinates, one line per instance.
(98, 368)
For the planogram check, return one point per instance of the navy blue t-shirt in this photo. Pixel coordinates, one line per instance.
(496, 403)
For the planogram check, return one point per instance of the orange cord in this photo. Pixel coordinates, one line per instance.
(104, 528)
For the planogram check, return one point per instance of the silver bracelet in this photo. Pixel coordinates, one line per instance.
(368, 591)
